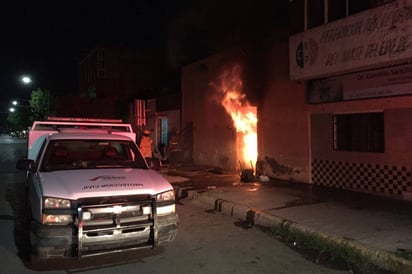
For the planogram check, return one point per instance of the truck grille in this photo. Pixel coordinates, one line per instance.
(109, 224)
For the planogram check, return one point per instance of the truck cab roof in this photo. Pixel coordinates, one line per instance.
(63, 125)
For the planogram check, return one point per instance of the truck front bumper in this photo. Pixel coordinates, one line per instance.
(49, 241)
(167, 228)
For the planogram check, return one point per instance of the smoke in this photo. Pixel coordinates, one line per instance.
(228, 88)
(203, 27)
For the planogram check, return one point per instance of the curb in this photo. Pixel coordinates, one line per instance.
(382, 259)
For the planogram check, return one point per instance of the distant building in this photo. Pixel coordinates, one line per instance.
(120, 72)
(82, 106)
(119, 83)
(110, 79)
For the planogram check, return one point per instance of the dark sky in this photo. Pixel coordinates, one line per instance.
(47, 39)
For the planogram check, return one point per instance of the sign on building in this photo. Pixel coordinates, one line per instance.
(370, 39)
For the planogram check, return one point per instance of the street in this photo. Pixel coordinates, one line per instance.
(207, 242)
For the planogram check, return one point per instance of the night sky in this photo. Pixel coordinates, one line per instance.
(47, 39)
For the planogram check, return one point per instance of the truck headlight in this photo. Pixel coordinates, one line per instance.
(165, 210)
(166, 196)
(55, 219)
(56, 203)
(165, 202)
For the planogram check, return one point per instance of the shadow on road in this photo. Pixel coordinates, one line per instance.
(72, 265)
(15, 195)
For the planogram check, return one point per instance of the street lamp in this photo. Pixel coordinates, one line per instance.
(26, 79)
(16, 104)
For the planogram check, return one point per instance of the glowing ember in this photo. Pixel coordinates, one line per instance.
(243, 115)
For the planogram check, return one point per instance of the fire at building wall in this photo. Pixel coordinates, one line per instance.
(231, 131)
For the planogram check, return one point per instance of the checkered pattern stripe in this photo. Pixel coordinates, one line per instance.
(381, 179)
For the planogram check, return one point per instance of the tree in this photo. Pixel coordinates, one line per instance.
(40, 104)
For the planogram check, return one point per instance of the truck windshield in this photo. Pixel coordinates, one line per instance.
(91, 154)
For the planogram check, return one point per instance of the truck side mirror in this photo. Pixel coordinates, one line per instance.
(25, 164)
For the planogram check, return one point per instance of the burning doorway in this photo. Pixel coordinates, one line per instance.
(244, 116)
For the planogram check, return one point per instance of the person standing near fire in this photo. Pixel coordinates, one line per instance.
(175, 146)
(146, 145)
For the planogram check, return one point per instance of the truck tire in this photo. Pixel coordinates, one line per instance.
(33, 258)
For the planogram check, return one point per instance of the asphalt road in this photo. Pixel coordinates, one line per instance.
(207, 242)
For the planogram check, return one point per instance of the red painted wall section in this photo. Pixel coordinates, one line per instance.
(283, 126)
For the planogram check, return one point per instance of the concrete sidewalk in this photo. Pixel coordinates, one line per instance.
(376, 226)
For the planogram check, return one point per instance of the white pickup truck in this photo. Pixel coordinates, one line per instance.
(90, 192)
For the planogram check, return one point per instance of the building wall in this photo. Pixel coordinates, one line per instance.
(388, 173)
(283, 121)
(295, 137)
(374, 77)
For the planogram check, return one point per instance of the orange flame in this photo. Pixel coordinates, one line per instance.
(243, 115)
